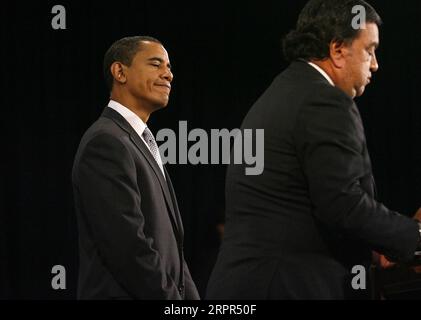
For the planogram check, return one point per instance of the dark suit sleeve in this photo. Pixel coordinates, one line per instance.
(107, 182)
(190, 287)
(330, 144)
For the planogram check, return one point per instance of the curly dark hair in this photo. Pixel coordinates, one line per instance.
(123, 51)
(320, 23)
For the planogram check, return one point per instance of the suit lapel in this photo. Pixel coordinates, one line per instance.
(174, 201)
(365, 153)
(121, 122)
(164, 186)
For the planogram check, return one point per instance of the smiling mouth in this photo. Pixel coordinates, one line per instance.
(164, 86)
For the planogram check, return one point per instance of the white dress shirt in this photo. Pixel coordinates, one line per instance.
(136, 123)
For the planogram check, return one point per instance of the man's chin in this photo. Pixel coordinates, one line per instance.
(360, 92)
(161, 104)
(164, 104)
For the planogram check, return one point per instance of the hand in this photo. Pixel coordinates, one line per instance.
(384, 263)
(417, 215)
(381, 261)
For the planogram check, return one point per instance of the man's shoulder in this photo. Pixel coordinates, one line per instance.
(312, 87)
(104, 131)
(104, 126)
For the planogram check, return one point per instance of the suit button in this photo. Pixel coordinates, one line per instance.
(181, 290)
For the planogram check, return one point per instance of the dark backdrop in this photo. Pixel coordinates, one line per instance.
(224, 56)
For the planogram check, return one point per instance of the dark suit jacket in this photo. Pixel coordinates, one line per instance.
(297, 230)
(130, 229)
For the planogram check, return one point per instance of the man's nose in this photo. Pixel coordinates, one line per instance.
(167, 75)
(374, 64)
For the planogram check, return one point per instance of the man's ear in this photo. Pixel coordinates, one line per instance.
(118, 71)
(338, 51)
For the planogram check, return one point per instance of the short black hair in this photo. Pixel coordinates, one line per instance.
(320, 23)
(123, 51)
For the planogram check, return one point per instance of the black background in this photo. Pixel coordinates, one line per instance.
(224, 56)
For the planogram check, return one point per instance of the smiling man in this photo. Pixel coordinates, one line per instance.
(130, 228)
(298, 230)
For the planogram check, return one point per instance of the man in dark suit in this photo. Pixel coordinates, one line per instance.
(130, 229)
(299, 230)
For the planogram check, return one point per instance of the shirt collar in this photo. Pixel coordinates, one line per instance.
(324, 74)
(132, 118)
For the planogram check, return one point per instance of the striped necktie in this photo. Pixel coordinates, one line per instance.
(153, 147)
